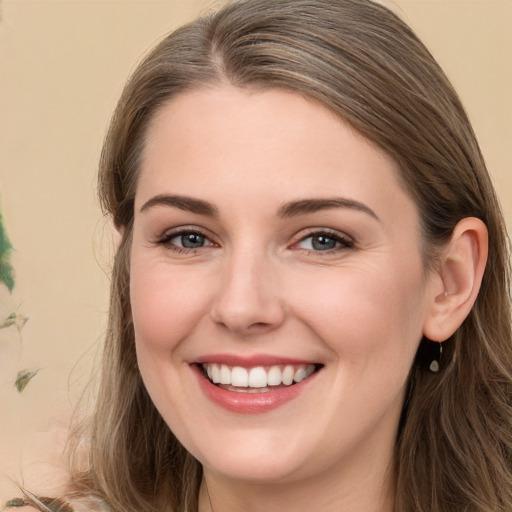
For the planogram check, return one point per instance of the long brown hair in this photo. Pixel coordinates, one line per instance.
(454, 445)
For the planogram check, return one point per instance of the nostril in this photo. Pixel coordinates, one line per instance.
(242, 323)
(258, 326)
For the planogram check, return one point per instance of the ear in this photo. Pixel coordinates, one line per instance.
(118, 233)
(457, 279)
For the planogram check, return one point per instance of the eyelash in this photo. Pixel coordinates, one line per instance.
(165, 240)
(342, 242)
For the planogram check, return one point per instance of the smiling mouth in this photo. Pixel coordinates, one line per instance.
(257, 379)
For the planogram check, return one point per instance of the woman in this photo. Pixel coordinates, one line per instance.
(310, 304)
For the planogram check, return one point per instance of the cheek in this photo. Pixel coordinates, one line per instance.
(166, 308)
(367, 317)
(166, 303)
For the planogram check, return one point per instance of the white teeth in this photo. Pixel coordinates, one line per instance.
(288, 374)
(225, 374)
(257, 377)
(216, 374)
(274, 376)
(299, 374)
(239, 377)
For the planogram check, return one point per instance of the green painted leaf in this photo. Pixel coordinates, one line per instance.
(17, 502)
(23, 378)
(41, 503)
(6, 270)
(15, 319)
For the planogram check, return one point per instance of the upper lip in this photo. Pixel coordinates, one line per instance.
(251, 361)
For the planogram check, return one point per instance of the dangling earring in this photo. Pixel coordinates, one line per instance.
(434, 365)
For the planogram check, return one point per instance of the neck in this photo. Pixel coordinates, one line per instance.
(369, 488)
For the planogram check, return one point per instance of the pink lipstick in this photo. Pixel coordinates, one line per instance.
(252, 385)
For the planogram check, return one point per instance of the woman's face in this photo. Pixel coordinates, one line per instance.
(271, 241)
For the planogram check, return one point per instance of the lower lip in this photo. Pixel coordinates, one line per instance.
(250, 403)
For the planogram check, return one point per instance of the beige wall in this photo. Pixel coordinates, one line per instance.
(62, 66)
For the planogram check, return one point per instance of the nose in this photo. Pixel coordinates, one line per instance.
(248, 300)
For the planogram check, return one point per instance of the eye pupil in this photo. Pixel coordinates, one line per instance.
(323, 243)
(192, 240)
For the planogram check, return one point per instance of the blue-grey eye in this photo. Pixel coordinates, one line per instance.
(192, 240)
(323, 242)
(186, 240)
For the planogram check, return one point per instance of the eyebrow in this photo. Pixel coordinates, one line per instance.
(183, 203)
(291, 209)
(305, 206)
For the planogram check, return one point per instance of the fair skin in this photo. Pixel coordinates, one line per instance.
(267, 233)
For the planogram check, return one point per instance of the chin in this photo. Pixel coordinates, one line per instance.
(264, 460)
(257, 469)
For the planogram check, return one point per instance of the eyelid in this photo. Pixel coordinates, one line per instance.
(343, 239)
(169, 234)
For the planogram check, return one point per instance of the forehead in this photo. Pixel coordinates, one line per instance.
(258, 145)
